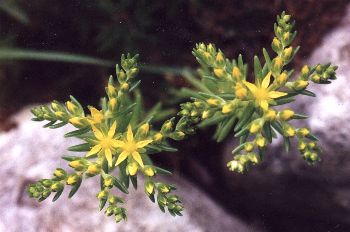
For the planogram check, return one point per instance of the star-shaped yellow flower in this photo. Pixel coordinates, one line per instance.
(262, 93)
(105, 143)
(130, 147)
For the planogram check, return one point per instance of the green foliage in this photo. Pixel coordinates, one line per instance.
(118, 138)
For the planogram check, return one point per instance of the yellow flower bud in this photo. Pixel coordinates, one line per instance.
(300, 84)
(282, 78)
(301, 145)
(277, 63)
(303, 131)
(132, 168)
(144, 128)
(316, 78)
(233, 165)
(149, 171)
(111, 91)
(201, 46)
(260, 141)
(255, 127)
(76, 121)
(219, 72)
(157, 137)
(108, 182)
(253, 158)
(286, 114)
(205, 114)
(71, 107)
(312, 145)
(240, 92)
(102, 194)
(56, 186)
(164, 189)
(55, 106)
(286, 35)
(318, 68)
(72, 179)
(193, 113)
(198, 104)
(287, 53)
(236, 73)
(93, 169)
(276, 42)
(59, 114)
(219, 57)
(227, 108)
(286, 18)
(149, 187)
(125, 86)
(206, 55)
(75, 164)
(248, 147)
(213, 102)
(59, 173)
(112, 103)
(211, 48)
(305, 70)
(271, 115)
(289, 131)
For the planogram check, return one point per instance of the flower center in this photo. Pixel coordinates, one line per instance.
(261, 94)
(130, 147)
(106, 143)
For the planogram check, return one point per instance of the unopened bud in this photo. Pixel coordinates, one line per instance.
(286, 114)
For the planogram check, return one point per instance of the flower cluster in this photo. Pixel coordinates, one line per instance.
(118, 137)
(117, 140)
(248, 110)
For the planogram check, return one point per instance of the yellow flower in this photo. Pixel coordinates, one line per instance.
(96, 116)
(130, 147)
(106, 144)
(262, 93)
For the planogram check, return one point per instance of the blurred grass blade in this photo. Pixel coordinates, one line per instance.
(13, 10)
(25, 54)
(66, 57)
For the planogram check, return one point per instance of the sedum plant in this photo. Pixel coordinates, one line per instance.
(255, 112)
(118, 138)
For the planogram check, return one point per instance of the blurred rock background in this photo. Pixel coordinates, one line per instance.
(282, 194)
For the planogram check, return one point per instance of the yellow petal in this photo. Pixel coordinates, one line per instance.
(108, 154)
(250, 86)
(264, 104)
(122, 156)
(111, 131)
(143, 143)
(137, 158)
(129, 134)
(94, 150)
(118, 143)
(98, 134)
(276, 94)
(266, 81)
